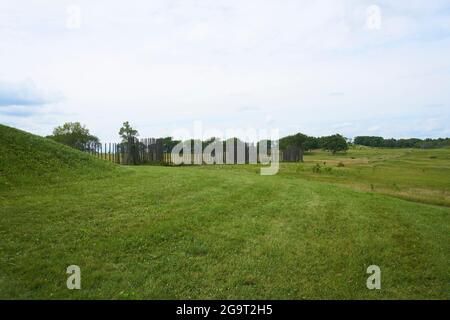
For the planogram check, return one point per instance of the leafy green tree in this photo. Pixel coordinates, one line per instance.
(74, 135)
(311, 143)
(127, 133)
(297, 140)
(130, 143)
(334, 143)
(370, 141)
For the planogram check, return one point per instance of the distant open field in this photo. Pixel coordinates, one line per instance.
(412, 174)
(223, 231)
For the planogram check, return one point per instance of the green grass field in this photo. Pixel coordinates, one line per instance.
(207, 232)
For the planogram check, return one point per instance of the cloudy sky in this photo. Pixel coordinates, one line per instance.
(319, 67)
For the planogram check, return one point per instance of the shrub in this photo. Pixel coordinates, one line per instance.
(316, 168)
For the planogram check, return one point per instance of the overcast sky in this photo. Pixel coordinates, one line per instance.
(318, 67)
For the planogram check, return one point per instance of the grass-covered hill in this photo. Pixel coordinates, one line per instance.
(27, 159)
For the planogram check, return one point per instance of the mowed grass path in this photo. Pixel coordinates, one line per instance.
(190, 232)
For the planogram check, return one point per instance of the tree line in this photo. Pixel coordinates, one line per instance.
(380, 142)
(334, 143)
(78, 136)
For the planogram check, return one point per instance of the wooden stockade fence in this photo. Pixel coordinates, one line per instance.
(153, 151)
(144, 151)
(292, 154)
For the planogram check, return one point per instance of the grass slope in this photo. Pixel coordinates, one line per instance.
(216, 232)
(29, 159)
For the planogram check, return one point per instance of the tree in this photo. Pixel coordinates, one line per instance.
(130, 143)
(127, 133)
(334, 143)
(370, 141)
(311, 143)
(297, 140)
(74, 135)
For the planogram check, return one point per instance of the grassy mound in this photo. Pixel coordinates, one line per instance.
(27, 159)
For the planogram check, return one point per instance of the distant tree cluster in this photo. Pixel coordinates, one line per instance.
(374, 141)
(73, 134)
(78, 136)
(334, 143)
